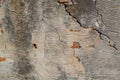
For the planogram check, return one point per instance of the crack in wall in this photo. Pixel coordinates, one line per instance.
(101, 16)
(104, 25)
(71, 14)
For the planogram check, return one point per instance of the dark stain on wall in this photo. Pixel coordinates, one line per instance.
(20, 24)
(83, 11)
(85, 6)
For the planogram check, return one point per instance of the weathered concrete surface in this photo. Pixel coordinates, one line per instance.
(103, 16)
(109, 9)
(47, 40)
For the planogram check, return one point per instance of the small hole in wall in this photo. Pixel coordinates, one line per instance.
(34, 46)
(2, 31)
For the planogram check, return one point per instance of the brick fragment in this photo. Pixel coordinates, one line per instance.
(76, 45)
(2, 59)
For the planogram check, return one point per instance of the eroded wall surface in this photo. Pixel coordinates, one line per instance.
(50, 40)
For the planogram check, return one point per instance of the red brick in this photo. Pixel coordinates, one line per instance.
(76, 45)
(2, 59)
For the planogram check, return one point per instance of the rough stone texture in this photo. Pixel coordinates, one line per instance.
(109, 9)
(49, 40)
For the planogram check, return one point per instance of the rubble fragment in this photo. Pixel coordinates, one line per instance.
(2, 59)
(76, 45)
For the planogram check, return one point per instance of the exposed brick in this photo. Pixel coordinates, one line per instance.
(76, 45)
(2, 59)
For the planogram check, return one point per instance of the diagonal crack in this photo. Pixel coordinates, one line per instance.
(100, 33)
(108, 38)
(71, 14)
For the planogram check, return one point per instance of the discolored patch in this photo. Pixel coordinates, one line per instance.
(24, 67)
(22, 4)
(22, 64)
(76, 45)
(91, 46)
(77, 58)
(1, 31)
(71, 30)
(84, 11)
(2, 59)
(81, 7)
(86, 6)
(63, 1)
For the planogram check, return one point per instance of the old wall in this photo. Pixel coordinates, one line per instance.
(50, 40)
